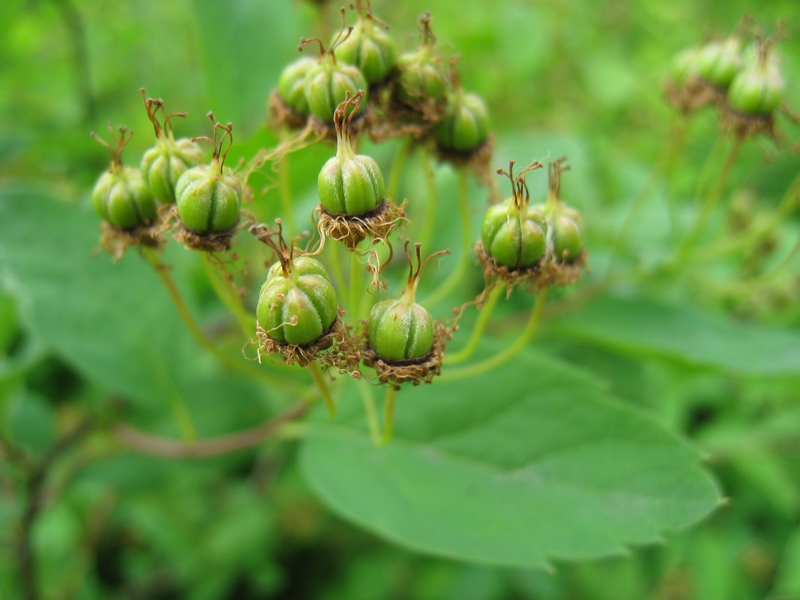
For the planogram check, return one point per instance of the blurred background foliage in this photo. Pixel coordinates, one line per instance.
(575, 77)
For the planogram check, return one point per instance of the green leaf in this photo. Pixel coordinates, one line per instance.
(531, 463)
(788, 572)
(31, 422)
(243, 56)
(687, 335)
(113, 322)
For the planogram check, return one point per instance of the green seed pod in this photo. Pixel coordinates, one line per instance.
(565, 223)
(567, 235)
(718, 62)
(164, 163)
(368, 47)
(121, 196)
(209, 197)
(758, 89)
(465, 126)
(683, 67)
(297, 303)
(421, 80)
(400, 330)
(512, 233)
(512, 236)
(328, 83)
(291, 85)
(349, 183)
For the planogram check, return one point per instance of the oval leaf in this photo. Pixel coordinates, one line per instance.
(685, 334)
(531, 463)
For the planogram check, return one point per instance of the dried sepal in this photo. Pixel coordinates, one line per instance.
(352, 229)
(421, 370)
(324, 349)
(116, 241)
(282, 115)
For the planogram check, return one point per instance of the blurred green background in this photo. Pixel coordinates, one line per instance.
(575, 77)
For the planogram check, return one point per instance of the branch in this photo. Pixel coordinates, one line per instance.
(34, 502)
(138, 440)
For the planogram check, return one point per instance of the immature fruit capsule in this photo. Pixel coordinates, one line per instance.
(400, 330)
(567, 235)
(368, 47)
(758, 89)
(565, 223)
(349, 183)
(121, 196)
(297, 303)
(209, 197)
(465, 126)
(513, 236)
(327, 83)
(718, 62)
(513, 233)
(421, 80)
(164, 163)
(291, 85)
(683, 67)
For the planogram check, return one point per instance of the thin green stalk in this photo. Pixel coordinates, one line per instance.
(467, 256)
(356, 283)
(393, 185)
(388, 414)
(711, 160)
(429, 224)
(194, 329)
(369, 407)
(710, 203)
(477, 332)
(336, 266)
(224, 289)
(510, 351)
(285, 191)
(322, 386)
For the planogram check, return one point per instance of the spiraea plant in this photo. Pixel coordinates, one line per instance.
(327, 308)
(508, 377)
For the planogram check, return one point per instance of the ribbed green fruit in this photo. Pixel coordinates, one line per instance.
(349, 183)
(514, 236)
(122, 198)
(420, 78)
(567, 235)
(327, 84)
(165, 162)
(684, 66)
(370, 49)
(299, 306)
(757, 89)
(465, 125)
(209, 200)
(400, 330)
(718, 62)
(291, 85)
